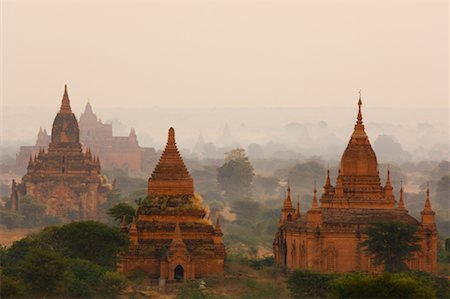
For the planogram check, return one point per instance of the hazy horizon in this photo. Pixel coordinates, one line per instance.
(226, 54)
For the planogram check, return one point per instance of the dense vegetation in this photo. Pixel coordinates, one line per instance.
(307, 284)
(75, 260)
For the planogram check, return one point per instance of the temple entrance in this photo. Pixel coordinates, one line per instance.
(179, 273)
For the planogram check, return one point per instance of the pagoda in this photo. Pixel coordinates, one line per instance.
(65, 179)
(170, 238)
(328, 237)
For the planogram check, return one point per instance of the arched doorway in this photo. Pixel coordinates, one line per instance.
(179, 273)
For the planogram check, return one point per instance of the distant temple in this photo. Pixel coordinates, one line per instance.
(115, 151)
(327, 237)
(64, 178)
(171, 239)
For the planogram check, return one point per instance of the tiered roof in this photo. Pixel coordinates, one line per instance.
(171, 176)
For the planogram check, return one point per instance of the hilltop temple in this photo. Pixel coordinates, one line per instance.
(64, 178)
(327, 237)
(171, 238)
(115, 151)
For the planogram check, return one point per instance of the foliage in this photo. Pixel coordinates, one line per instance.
(255, 263)
(235, 176)
(391, 243)
(399, 285)
(112, 284)
(10, 287)
(84, 277)
(43, 272)
(89, 240)
(53, 263)
(120, 210)
(309, 284)
(440, 284)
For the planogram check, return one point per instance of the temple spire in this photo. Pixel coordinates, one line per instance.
(315, 204)
(65, 103)
(297, 211)
(359, 117)
(359, 135)
(427, 206)
(88, 108)
(171, 176)
(288, 201)
(401, 203)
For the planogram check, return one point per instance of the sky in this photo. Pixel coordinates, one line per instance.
(225, 53)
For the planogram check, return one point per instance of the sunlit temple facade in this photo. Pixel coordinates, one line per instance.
(327, 237)
(171, 238)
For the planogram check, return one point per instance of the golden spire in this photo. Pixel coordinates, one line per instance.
(65, 103)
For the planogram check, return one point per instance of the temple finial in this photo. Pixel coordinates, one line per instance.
(401, 203)
(328, 181)
(65, 103)
(171, 139)
(359, 118)
(315, 204)
(388, 179)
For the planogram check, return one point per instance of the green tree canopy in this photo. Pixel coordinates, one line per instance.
(44, 272)
(235, 176)
(122, 209)
(391, 243)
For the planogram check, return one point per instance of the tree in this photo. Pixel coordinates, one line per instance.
(235, 176)
(391, 243)
(122, 209)
(112, 284)
(43, 272)
(84, 277)
(92, 241)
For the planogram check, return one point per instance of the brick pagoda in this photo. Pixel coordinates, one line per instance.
(64, 178)
(171, 239)
(327, 237)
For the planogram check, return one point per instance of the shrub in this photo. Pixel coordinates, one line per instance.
(309, 284)
(111, 285)
(401, 285)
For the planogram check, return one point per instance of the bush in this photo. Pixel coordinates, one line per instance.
(10, 288)
(309, 284)
(401, 285)
(112, 284)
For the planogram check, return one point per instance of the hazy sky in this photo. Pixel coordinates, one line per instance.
(230, 53)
